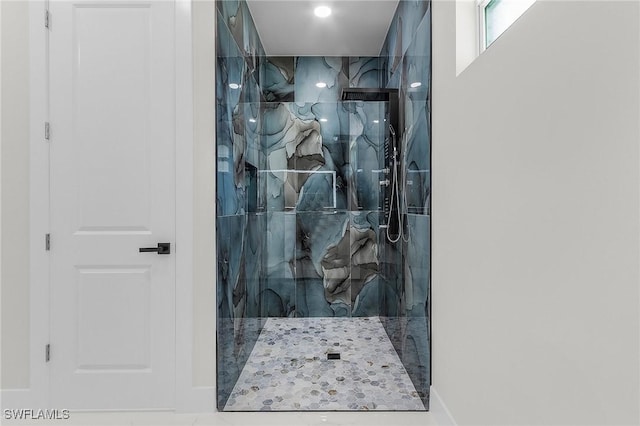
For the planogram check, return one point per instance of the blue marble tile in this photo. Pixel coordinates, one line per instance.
(224, 40)
(275, 125)
(230, 137)
(417, 61)
(306, 156)
(395, 79)
(334, 125)
(255, 250)
(391, 276)
(230, 282)
(229, 200)
(324, 239)
(311, 70)
(334, 130)
(319, 192)
(411, 13)
(366, 154)
(416, 85)
(278, 294)
(392, 47)
(253, 139)
(293, 147)
(404, 268)
(418, 258)
(250, 120)
(251, 44)
(310, 293)
(232, 14)
(365, 72)
(402, 32)
(384, 65)
(417, 161)
(367, 301)
(364, 262)
(277, 78)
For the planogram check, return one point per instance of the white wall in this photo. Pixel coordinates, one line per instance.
(14, 36)
(205, 266)
(535, 218)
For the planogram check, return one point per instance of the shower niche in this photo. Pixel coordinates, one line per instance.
(323, 226)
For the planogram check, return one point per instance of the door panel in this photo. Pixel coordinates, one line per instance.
(113, 339)
(112, 112)
(116, 129)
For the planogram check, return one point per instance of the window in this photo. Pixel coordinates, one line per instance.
(495, 16)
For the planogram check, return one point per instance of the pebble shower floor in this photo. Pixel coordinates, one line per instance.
(288, 369)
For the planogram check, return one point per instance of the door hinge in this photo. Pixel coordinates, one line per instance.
(46, 19)
(47, 242)
(47, 130)
(47, 353)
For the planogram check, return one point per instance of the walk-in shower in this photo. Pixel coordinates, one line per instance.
(323, 225)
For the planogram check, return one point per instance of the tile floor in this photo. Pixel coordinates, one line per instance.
(288, 369)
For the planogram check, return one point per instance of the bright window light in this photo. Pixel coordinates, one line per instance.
(498, 15)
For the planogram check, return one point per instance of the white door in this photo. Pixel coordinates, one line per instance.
(112, 143)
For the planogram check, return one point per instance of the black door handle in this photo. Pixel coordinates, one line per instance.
(163, 248)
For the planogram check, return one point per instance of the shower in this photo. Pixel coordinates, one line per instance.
(323, 174)
(394, 179)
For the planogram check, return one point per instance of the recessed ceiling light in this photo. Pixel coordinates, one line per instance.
(376, 121)
(252, 120)
(234, 85)
(321, 84)
(324, 120)
(415, 84)
(322, 11)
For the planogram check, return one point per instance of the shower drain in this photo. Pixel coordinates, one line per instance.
(333, 355)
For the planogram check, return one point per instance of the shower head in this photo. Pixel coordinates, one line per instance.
(391, 96)
(367, 95)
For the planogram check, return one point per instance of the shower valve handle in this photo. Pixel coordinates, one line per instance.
(384, 182)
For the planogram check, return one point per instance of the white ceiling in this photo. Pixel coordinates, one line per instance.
(355, 27)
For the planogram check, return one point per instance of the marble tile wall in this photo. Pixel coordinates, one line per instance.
(404, 303)
(321, 194)
(239, 157)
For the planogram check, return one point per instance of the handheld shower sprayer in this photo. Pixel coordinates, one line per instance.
(400, 201)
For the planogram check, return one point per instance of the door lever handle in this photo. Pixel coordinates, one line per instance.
(163, 248)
